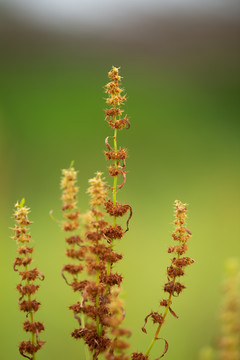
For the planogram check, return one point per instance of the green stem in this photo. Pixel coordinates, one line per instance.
(164, 317)
(115, 177)
(114, 191)
(159, 326)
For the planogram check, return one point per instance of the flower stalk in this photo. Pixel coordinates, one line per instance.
(100, 328)
(26, 287)
(176, 270)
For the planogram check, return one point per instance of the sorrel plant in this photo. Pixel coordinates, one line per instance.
(90, 248)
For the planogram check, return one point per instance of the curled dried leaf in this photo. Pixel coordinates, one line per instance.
(124, 180)
(107, 144)
(165, 348)
(127, 121)
(64, 277)
(77, 318)
(42, 276)
(173, 313)
(129, 218)
(27, 357)
(145, 322)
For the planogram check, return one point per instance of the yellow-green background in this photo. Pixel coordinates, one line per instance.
(183, 144)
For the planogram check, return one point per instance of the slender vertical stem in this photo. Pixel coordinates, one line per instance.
(114, 189)
(164, 316)
(115, 177)
(160, 325)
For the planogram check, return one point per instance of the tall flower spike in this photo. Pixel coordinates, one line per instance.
(117, 122)
(229, 342)
(75, 249)
(95, 298)
(177, 269)
(96, 312)
(27, 286)
(114, 209)
(115, 155)
(68, 185)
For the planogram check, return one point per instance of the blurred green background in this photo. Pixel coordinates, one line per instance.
(182, 78)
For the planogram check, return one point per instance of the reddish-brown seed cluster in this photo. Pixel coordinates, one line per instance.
(26, 288)
(181, 234)
(139, 356)
(97, 305)
(97, 257)
(117, 122)
(117, 209)
(120, 154)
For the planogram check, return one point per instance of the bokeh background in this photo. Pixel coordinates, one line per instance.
(180, 66)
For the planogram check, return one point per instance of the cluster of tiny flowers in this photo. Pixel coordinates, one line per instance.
(229, 342)
(75, 250)
(27, 286)
(97, 190)
(177, 269)
(117, 122)
(69, 199)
